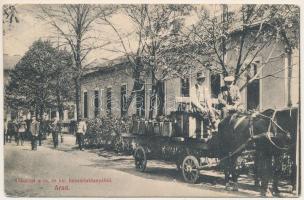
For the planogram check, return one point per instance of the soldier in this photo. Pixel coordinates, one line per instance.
(21, 131)
(81, 130)
(35, 125)
(11, 130)
(229, 97)
(201, 99)
(55, 130)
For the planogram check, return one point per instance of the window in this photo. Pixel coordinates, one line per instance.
(123, 99)
(85, 104)
(109, 101)
(53, 114)
(96, 103)
(140, 100)
(253, 89)
(215, 85)
(185, 87)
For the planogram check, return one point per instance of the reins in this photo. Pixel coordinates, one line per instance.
(253, 137)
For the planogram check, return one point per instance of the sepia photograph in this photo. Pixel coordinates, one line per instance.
(151, 100)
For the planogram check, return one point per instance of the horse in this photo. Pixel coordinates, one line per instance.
(258, 130)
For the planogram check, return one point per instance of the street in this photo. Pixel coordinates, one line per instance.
(68, 172)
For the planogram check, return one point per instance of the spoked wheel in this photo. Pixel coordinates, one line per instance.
(190, 168)
(140, 159)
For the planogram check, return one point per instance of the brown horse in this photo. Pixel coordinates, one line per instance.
(260, 130)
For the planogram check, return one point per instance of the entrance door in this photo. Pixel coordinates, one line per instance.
(253, 95)
(253, 90)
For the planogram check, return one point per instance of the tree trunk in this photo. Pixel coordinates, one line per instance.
(41, 112)
(289, 75)
(136, 76)
(59, 106)
(77, 97)
(153, 96)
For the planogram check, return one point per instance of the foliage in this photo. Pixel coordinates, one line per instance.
(74, 23)
(9, 16)
(153, 25)
(107, 133)
(231, 42)
(34, 81)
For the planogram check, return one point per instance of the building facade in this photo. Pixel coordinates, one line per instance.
(104, 89)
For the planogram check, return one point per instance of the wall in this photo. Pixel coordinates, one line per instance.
(101, 82)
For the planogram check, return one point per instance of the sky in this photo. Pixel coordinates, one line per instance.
(20, 36)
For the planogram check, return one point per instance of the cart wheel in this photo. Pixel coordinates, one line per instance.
(190, 169)
(140, 159)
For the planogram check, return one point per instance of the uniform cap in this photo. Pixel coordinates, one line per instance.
(200, 75)
(229, 79)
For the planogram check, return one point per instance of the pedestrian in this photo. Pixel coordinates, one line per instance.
(81, 131)
(5, 131)
(21, 132)
(55, 131)
(11, 131)
(35, 126)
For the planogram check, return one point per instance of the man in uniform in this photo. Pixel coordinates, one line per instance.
(55, 131)
(201, 101)
(229, 97)
(35, 125)
(81, 131)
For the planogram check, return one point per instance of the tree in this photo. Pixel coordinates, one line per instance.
(9, 15)
(62, 85)
(75, 24)
(154, 25)
(244, 33)
(33, 80)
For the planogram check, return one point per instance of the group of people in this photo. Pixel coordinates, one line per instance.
(229, 101)
(34, 129)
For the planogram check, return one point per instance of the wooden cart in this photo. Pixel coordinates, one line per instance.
(186, 152)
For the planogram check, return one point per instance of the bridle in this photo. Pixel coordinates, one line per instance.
(269, 134)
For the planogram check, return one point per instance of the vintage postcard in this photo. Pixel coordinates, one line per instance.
(151, 100)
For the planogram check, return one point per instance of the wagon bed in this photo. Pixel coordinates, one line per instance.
(187, 153)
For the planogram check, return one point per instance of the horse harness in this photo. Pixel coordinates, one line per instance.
(253, 137)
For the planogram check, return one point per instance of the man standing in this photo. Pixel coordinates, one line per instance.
(21, 132)
(229, 97)
(34, 132)
(81, 130)
(202, 106)
(11, 130)
(55, 130)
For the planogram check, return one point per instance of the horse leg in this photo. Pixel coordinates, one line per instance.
(231, 174)
(276, 174)
(227, 173)
(234, 174)
(257, 168)
(266, 171)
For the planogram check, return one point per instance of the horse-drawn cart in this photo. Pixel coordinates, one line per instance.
(269, 134)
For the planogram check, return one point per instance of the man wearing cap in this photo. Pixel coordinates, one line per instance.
(81, 131)
(34, 132)
(229, 97)
(201, 101)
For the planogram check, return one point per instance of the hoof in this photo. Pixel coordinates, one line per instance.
(235, 187)
(266, 193)
(228, 187)
(231, 186)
